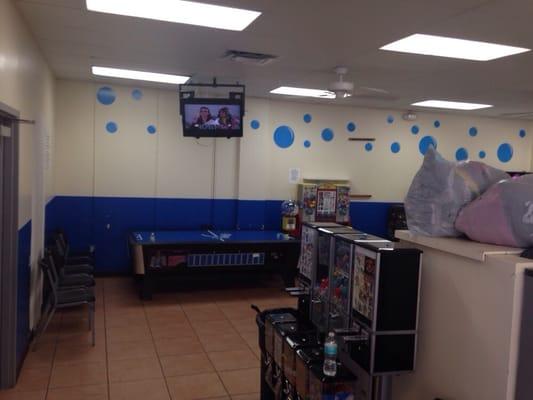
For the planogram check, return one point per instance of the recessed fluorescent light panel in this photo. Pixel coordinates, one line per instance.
(452, 105)
(294, 91)
(430, 45)
(139, 75)
(182, 12)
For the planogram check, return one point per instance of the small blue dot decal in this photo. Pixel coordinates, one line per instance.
(369, 147)
(307, 118)
(436, 124)
(482, 154)
(327, 135)
(472, 131)
(390, 119)
(415, 129)
(425, 142)
(307, 144)
(255, 124)
(395, 147)
(522, 133)
(136, 94)
(151, 129)
(283, 136)
(505, 152)
(461, 154)
(106, 95)
(111, 127)
(351, 127)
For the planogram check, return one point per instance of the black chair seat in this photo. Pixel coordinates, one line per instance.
(76, 280)
(78, 269)
(75, 296)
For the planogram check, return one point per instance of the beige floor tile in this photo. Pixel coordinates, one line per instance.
(178, 346)
(81, 338)
(167, 318)
(188, 364)
(130, 333)
(249, 396)
(134, 369)
(172, 330)
(209, 312)
(238, 311)
(233, 359)
(119, 321)
(33, 379)
(222, 342)
(154, 389)
(247, 325)
(67, 354)
(42, 357)
(65, 375)
(86, 392)
(131, 350)
(190, 387)
(12, 394)
(241, 381)
(213, 327)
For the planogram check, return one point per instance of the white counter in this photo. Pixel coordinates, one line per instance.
(470, 310)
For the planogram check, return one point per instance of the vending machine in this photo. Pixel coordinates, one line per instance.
(383, 319)
(324, 201)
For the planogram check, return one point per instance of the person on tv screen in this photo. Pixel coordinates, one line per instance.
(225, 120)
(204, 118)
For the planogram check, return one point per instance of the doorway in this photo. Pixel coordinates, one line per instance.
(8, 244)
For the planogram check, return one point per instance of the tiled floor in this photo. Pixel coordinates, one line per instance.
(180, 346)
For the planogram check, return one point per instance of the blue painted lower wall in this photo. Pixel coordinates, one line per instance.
(106, 221)
(23, 291)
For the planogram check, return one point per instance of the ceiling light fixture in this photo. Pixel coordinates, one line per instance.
(294, 91)
(140, 75)
(183, 12)
(441, 46)
(452, 105)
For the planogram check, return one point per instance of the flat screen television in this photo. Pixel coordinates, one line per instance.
(212, 117)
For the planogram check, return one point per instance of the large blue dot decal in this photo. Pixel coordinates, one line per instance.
(482, 154)
(472, 131)
(327, 135)
(283, 136)
(436, 124)
(307, 144)
(369, 147)
(505, 152)
(151, 129)
(522, 133)
(255, 124)
(136, 94)
(351, 127)
(390, 119)
(461, 154)
(307, 118)
(415, 129)
(425, 142)
(111, 127)
(395, 147)
(106, 95)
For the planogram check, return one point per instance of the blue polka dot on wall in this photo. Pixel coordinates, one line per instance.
(472, 131)
(482, 154)
(284, 136)
(505, 152)
(522, 133)
(395, 147)
(151, 129)
(436, 124)
(351, 127)
(307, 144)
(137, 94)
(327, 134)
(111, 127)
(106, 95)
(390, 119)
(461, 154)
(415, 129)
(255, 124)
(425, 142)
(369, 147)
(307, 118)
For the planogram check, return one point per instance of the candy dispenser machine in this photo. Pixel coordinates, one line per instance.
(306, 357)
(342, 386)
(293, 343)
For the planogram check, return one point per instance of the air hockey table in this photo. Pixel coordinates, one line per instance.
(161, 255)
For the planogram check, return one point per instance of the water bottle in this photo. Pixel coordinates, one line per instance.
(152, 237)
(330, 355)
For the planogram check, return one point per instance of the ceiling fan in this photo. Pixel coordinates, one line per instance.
(344, 89)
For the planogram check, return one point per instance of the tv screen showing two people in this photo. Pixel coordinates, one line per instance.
(218, 117)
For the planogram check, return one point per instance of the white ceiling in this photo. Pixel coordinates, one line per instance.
(310, 37)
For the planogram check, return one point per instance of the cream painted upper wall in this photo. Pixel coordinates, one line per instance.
(131, 162)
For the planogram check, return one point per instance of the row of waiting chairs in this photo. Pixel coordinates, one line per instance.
(69, 280)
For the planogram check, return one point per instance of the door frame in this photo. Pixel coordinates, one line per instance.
(9, 250)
